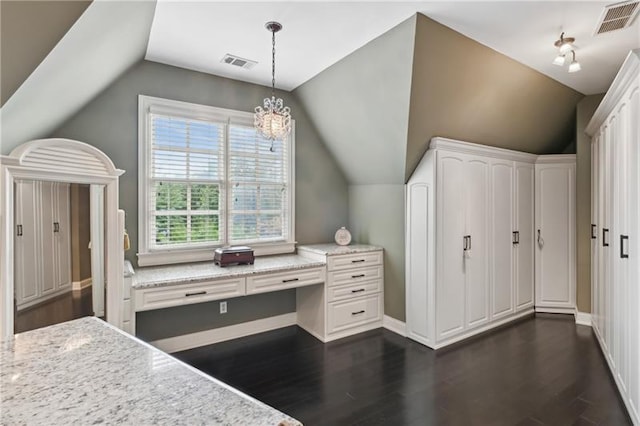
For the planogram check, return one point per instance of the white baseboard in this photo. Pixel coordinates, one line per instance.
(392, 324)
(553, 310)
(81, 285)
(583, 318)
(216, 335)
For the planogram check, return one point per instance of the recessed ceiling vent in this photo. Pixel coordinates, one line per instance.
(238, 61)
(617, 16)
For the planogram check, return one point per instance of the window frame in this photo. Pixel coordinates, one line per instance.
(148, 256)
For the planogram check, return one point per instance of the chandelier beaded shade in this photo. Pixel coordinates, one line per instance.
(273, 119)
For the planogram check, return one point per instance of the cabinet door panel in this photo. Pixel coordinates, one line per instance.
(554, 251)
(477, 262)
(62, 237)
(47, 205)
(634, 253)
(525, 226)
(26, 245)
(502, 239)
(450, 286)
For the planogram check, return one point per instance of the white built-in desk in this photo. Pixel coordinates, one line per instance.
(339, 289)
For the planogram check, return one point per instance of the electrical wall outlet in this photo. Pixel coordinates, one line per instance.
(223, 307)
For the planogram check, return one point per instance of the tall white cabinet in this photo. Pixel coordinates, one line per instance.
(555, 241)
(469, 241)
(42, 242)
(615, 212)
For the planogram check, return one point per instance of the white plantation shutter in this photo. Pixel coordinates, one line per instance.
(208, 180)
(186, 181)
(258, 187)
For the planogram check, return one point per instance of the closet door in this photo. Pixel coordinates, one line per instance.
(502, 238)
(62, 236)
(524, 226)
(604, 251)
(476, 261)
(620, 232)
(450, 232)
(27, 287)
(555, 236)
(634, 252)
(595, 225)
(48, 204)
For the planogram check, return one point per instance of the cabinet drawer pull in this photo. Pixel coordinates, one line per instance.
(624, 254)
(357, 312)
(358, 290)
(357, 261)
(19, 230)
(197, 293)
(357, 276)
(605, 243)
(594, 233)
(291, 280)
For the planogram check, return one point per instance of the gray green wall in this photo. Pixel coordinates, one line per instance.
(110, 123)
(585, 110)
(376, 216)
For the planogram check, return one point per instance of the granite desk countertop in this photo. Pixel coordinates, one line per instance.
(86, 371)
(335, 249)
(156, 276)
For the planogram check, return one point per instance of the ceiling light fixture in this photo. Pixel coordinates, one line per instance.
(575, 65)
(273, 119)
(565, 47)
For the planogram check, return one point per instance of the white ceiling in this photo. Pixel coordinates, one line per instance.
(196, 35)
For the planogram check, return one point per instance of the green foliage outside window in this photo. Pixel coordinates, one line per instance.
(199, 223)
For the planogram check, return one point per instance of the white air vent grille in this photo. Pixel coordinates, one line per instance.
(617, 16)
(238, 61)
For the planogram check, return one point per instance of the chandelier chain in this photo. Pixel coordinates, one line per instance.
(273, 63)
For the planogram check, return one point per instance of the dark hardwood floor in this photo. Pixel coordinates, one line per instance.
(541, 371)
(72, 305)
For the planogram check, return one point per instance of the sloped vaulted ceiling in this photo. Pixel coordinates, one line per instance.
(360, 106)
(105, 41)
(378, 108)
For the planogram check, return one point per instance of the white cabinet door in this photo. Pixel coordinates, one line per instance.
(606, 252)
(27, 287)
(502, 238)
(47, 209)
(634, 254)
(595, 225)
(450, 285)
(476, 262)
(524, 226)
(62, 236)
(555, 236)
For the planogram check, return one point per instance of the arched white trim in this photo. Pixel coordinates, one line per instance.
(59, 160)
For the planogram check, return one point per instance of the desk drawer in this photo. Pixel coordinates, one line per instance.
(348, 261)
(186, 294)
(354, 290)
(283, 280)
(352, 313)
(354, 275)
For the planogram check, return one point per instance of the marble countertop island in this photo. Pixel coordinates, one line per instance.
(86, 371)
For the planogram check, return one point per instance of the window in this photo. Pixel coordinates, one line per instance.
(207, 179)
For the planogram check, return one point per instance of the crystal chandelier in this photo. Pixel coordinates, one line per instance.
(273, 119)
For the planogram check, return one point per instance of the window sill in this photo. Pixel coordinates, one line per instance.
(169, 257)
